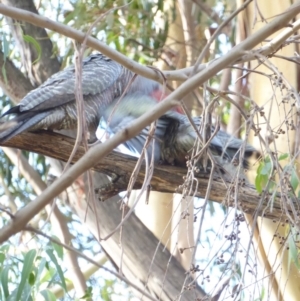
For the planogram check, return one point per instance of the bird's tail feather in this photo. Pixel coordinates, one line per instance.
(13, 110)
(19, 124)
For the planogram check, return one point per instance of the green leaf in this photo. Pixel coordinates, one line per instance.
(4, 281)
(160, 5)
(35, 43)
(264, 171)
(27, 268)
(266, 168)
(41, 269)
(258, 184)
(2, 258)
(48, 274)
(5, 47)
(69, 16)
(31, 278)
(26, 293)
(58, 268)
(48, 295)
(4, 73)
(5, 50)
(58, 249)
(88, 293)
(283, 157)
(261, 182)
(12, 296)
(5, 248)
(294, 179)
(293, 251)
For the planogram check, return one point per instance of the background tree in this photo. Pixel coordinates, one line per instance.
(148, 32)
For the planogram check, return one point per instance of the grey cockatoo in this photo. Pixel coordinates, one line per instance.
(53, 106)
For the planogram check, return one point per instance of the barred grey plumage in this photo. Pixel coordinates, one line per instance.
(180, 138)
(52, 105)
(174, 135)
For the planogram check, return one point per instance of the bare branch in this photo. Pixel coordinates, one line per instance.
(232, 57)
(165, 179)
(185, 9)
(98, 152)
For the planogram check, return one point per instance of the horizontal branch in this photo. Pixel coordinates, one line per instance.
(166, 178)
(246, 200)
(236, 55)
(44, 22)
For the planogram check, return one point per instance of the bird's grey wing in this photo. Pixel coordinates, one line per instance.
(222, 144)
(99, 73)
(52, 105)
(186, 136)
(233, 145)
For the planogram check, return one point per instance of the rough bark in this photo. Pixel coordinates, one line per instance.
(165, 179)
(144, 257)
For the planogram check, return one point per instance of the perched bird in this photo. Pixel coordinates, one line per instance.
(174, 136)
(53, 106)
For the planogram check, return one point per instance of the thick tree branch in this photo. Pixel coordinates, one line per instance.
(154, 267)
(166, 178)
